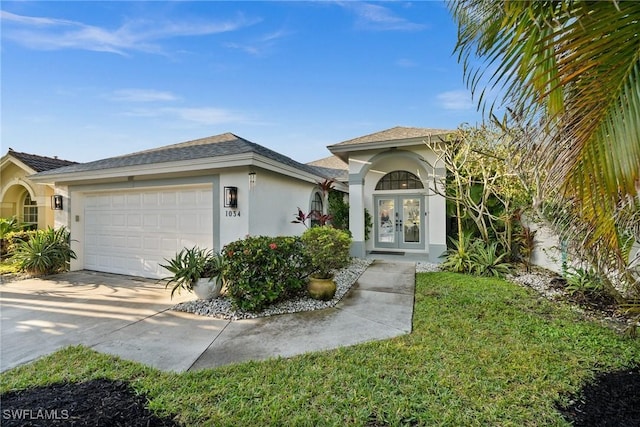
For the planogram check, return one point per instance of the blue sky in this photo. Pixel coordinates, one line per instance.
(89, 80)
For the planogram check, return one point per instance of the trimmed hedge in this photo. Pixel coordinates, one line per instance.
(262, 270)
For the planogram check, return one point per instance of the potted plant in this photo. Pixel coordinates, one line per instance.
(195, 270)
(328, 249)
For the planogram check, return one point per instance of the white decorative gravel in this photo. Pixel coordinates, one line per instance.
(221, 307)
(427, 267)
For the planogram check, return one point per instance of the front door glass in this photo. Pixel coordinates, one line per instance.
(386, 221)
(399, 222)
(411, 220)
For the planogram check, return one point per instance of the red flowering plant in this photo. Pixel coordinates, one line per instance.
(301, 218)
(263, 270)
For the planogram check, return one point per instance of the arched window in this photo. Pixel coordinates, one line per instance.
(316, 208)
(30, 211)
(399, 180)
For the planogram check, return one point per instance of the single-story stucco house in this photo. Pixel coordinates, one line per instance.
(128, 213)
(30, 203)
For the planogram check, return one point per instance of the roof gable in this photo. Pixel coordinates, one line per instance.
(394, 134)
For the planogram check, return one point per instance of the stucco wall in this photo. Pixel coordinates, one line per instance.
(274, 202)
(14, 182)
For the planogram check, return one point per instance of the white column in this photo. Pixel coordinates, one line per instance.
(356, 216)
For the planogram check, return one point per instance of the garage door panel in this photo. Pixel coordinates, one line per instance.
(133, 232)
(133, 200)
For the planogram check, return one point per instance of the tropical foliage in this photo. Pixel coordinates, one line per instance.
(191, 264)
(263, 270)
(45, 252)
(9, 225)
(327, 248)
(487, 188)
(573, 67)
(339, 210)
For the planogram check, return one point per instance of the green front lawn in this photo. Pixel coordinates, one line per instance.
(483, 352)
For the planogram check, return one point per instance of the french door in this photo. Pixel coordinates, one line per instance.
(399, 221)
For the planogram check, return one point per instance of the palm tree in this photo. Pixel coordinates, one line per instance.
(573, 66)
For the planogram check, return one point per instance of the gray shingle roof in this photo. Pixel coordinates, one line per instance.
(39, 163)
(393, 134)
(225, 144)
(333, 166)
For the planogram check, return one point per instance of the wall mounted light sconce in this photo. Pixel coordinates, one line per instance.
(56, 202)
(230, 197)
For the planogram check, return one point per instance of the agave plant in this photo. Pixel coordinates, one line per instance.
(191, 264)
(485, 261)
(46, 252)
(458, 257)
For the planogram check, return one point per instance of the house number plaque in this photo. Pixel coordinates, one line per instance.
(231, 213)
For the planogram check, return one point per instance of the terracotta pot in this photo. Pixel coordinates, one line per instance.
(207, 289)
(322, 289)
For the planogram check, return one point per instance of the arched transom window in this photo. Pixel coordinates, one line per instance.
(399, 180)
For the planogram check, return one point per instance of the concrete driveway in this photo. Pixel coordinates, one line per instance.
(40, 316)
(130, 317)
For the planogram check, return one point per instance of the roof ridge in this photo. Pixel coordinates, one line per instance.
(193, 142)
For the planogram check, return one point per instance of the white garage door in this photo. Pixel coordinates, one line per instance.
(132, 232)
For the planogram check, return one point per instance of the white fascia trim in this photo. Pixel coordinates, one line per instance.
(383, 144)
(236, 160)
(19, 163)
(193, 165)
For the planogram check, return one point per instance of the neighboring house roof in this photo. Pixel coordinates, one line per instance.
(39, 163)
(334, 167)
(226, 144)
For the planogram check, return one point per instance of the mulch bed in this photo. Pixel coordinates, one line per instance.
(98, 402)
(612, 399)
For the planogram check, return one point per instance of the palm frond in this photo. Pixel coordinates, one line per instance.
(576, 64)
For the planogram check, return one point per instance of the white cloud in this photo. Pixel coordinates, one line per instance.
(406, 63)
(376, 17)
(141, 95)
(206, 115)
(41, 33)
(259, 46)
(197, 115)
(456, 100)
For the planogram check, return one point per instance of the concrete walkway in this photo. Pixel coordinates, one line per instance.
(131, 318)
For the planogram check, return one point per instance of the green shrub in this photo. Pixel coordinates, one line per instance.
(339, 210)
(11, 238)
(262, 270)
(328, 249)
(9, 225)
(368, 224)
(46, 252)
